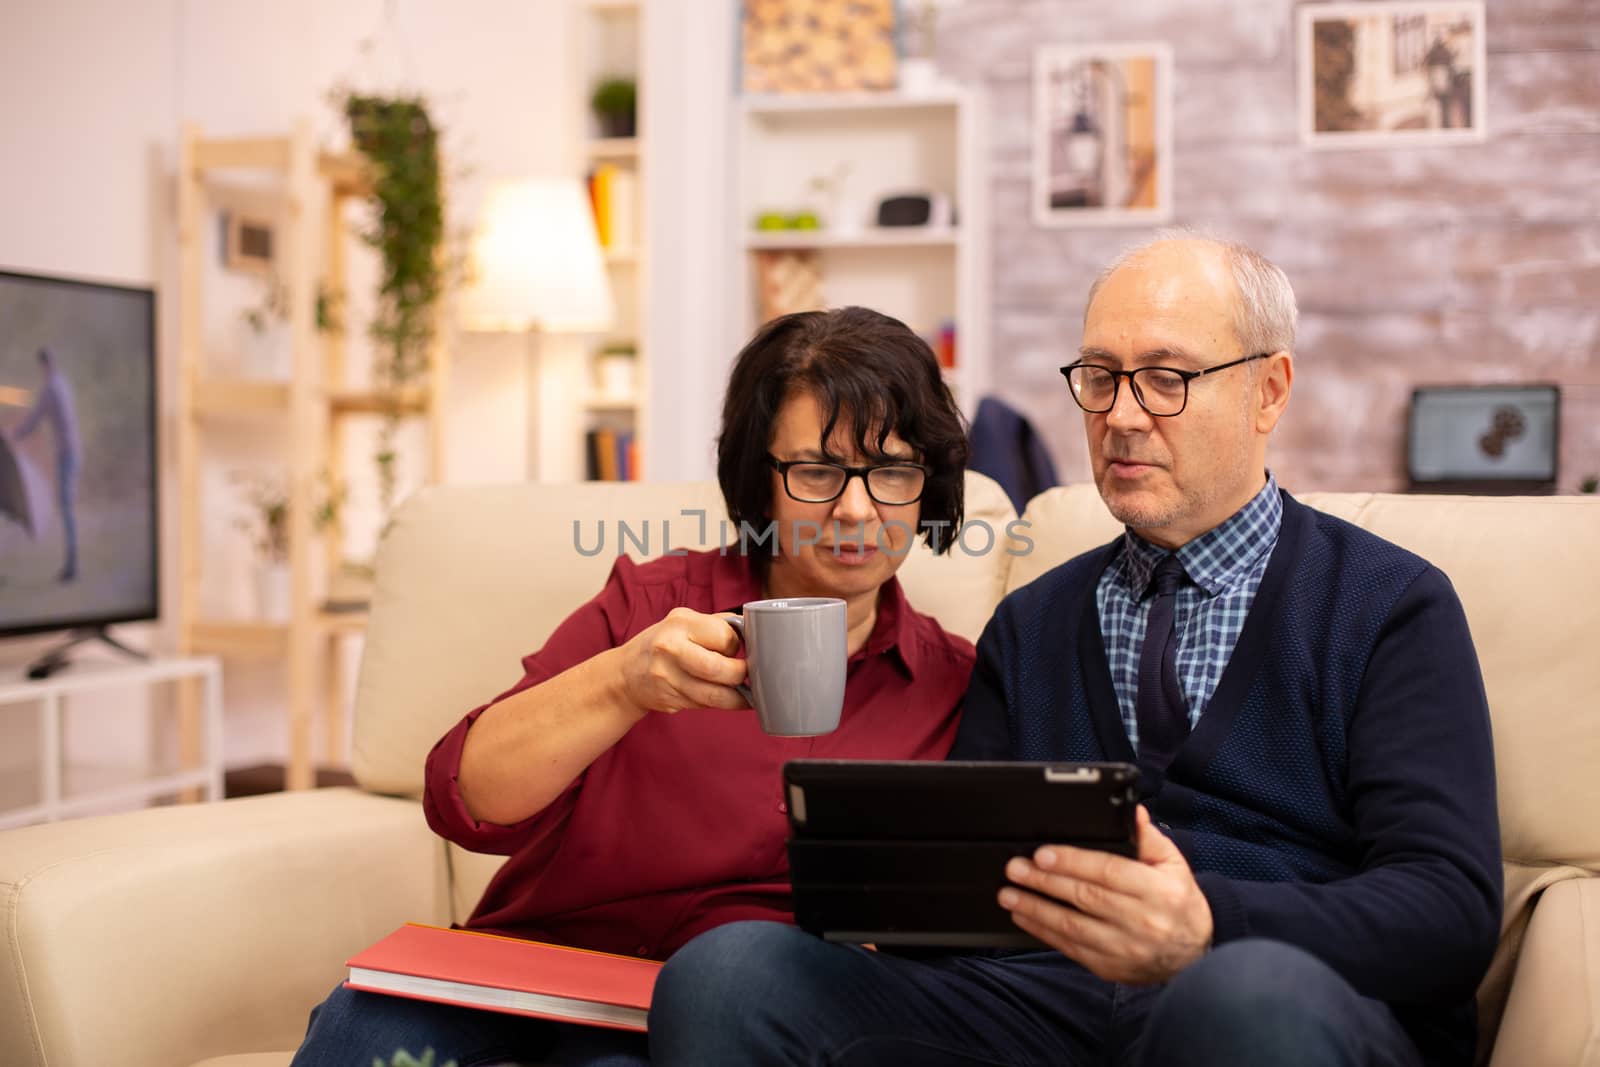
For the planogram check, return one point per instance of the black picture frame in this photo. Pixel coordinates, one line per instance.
(1443, 420)
(150, 609)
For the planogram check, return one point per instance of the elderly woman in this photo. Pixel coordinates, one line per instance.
(625, 777)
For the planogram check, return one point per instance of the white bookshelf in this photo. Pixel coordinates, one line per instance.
(893, 144)
(613, 45)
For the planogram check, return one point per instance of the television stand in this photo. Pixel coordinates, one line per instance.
(63, 784)
(56, 658)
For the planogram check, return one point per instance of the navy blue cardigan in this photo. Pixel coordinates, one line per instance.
(1338, 793)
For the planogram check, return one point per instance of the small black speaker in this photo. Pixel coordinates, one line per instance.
(914, 209)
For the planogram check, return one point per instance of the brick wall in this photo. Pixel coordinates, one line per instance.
(1469, 263)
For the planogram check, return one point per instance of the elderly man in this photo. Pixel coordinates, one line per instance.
(1318, 868)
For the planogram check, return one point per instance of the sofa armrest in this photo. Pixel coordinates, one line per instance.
(1553, 1013)
(168, 935)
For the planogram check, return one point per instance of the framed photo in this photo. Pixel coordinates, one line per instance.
(1389, 73)
(1102, 134)
(247, 242)
(1484, 438)
(818, 46)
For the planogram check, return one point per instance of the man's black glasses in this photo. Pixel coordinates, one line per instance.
(1162, 391)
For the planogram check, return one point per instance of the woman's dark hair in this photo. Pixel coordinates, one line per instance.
(868, 372)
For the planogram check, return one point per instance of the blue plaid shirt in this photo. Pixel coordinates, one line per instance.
(1225, 566)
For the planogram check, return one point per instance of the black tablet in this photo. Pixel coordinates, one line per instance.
(914, 853)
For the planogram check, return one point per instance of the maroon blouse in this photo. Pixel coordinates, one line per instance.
(680, 826)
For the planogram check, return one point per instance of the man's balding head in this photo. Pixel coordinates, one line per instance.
(1265, 314)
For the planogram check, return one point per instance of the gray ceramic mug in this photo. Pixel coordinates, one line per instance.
(795, 653)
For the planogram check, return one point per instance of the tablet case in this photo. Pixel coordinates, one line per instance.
(914, 853)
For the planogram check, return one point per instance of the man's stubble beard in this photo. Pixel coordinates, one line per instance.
(1192, 501)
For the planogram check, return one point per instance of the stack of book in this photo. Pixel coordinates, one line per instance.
(611, 456)
(614, 194)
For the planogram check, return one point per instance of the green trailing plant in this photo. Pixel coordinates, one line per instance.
(1591, 484)
(399, 139)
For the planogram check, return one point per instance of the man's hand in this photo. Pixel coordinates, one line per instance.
(1138, 921)
(684, 661)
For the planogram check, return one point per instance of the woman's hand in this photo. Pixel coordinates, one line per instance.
(523, 751)
(687, 660)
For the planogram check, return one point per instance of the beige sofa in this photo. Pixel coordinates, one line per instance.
(163, 937)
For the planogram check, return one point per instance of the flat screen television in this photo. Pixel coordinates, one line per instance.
(78, 507)
(1484, 438)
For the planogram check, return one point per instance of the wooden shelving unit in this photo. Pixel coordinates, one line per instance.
(312, 407)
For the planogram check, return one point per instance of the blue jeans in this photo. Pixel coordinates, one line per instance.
(762, 994)
(351, 1029)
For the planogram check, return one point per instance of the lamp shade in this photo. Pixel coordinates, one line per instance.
(536, 261)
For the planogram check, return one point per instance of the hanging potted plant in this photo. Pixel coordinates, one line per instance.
(399, 139)
(615, 102)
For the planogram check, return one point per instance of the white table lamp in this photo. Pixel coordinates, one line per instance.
(536, 261)
(536, 268)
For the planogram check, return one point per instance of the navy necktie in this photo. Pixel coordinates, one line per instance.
(1163, 717)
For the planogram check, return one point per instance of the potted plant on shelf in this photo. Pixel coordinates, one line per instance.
(615, 103)
(266, 335)
(919, 35)
(615, 370)
(267, 526)
(266, 343)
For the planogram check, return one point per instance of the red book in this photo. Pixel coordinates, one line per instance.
(508, 975)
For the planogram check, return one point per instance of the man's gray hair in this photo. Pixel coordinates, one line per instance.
(1266, 315)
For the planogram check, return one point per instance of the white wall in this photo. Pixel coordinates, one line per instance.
(695, 296)
(87, 187)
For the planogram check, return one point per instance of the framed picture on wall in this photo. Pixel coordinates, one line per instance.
(1387, 73)
(1102, 134)
(1484, 438)
(818, 46)
(247, 243)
